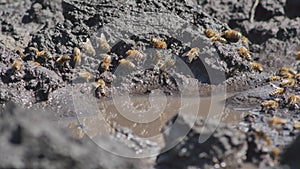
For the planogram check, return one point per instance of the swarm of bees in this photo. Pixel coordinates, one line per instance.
(230, 35)
(287, 79)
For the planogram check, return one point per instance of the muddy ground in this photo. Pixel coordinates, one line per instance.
(42, 97)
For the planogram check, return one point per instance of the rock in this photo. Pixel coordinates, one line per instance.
(225, 147)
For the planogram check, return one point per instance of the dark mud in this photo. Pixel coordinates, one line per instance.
(59, 26)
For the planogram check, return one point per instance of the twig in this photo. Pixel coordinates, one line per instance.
(252, 14)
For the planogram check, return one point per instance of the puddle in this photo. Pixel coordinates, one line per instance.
(106, 115)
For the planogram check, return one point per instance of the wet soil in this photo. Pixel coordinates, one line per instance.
(79, 111)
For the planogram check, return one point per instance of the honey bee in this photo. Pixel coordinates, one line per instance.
(43, 54)
(167, 64)
(34, 49)
(36, 63)
(88, 47)
(244, 52)
(245, 40)
(263, 136)
(17, 64)
(158, 43)
(270, 104)
(293, 99)
(286, 75)
(77, 130)
(256, 66)
(232, 35)
(287, 70)
(101, 87)
(20, 53)
(276, 121)
(134, 54)
(77, 55)
(127, 63)
(274, 78)
(219, 39)
(85, 75)
(296, 125)
(103, 43)
(277, 92)
(210, 33)
(106, 62)
(192, 54)
(298, 55)
(157, 57)
(63, 59)
(288, 82)
(275, 153)
(297, 76)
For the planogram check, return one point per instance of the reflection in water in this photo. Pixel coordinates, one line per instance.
(104, 120)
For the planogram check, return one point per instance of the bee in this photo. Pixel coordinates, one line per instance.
(36, 63)
(256, 66)
(167, 64)
(63, 59)
(288, 82)
(157, 57)
(106, 62)
(277, 92)
(275, 153)
(103, 43)
(85, 75)
(20, 53)
(134, 54)
(276, 121)
(296, 125)
(158, 43)
(232, 35)
(77, 130)
(43, 54)
(101, 87)
(88, 47)
(77, 55)
(287, 70)
(34, 49)
(286, 75)
(298, 55)
(244, 52)
(263, 136)
(245, 40)
(293, 99)
(297, 76)
(210, 33)
(219, 39)
(270, 104)
(17, 64)
(127, 63)
(274, 78)
(192, 54)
